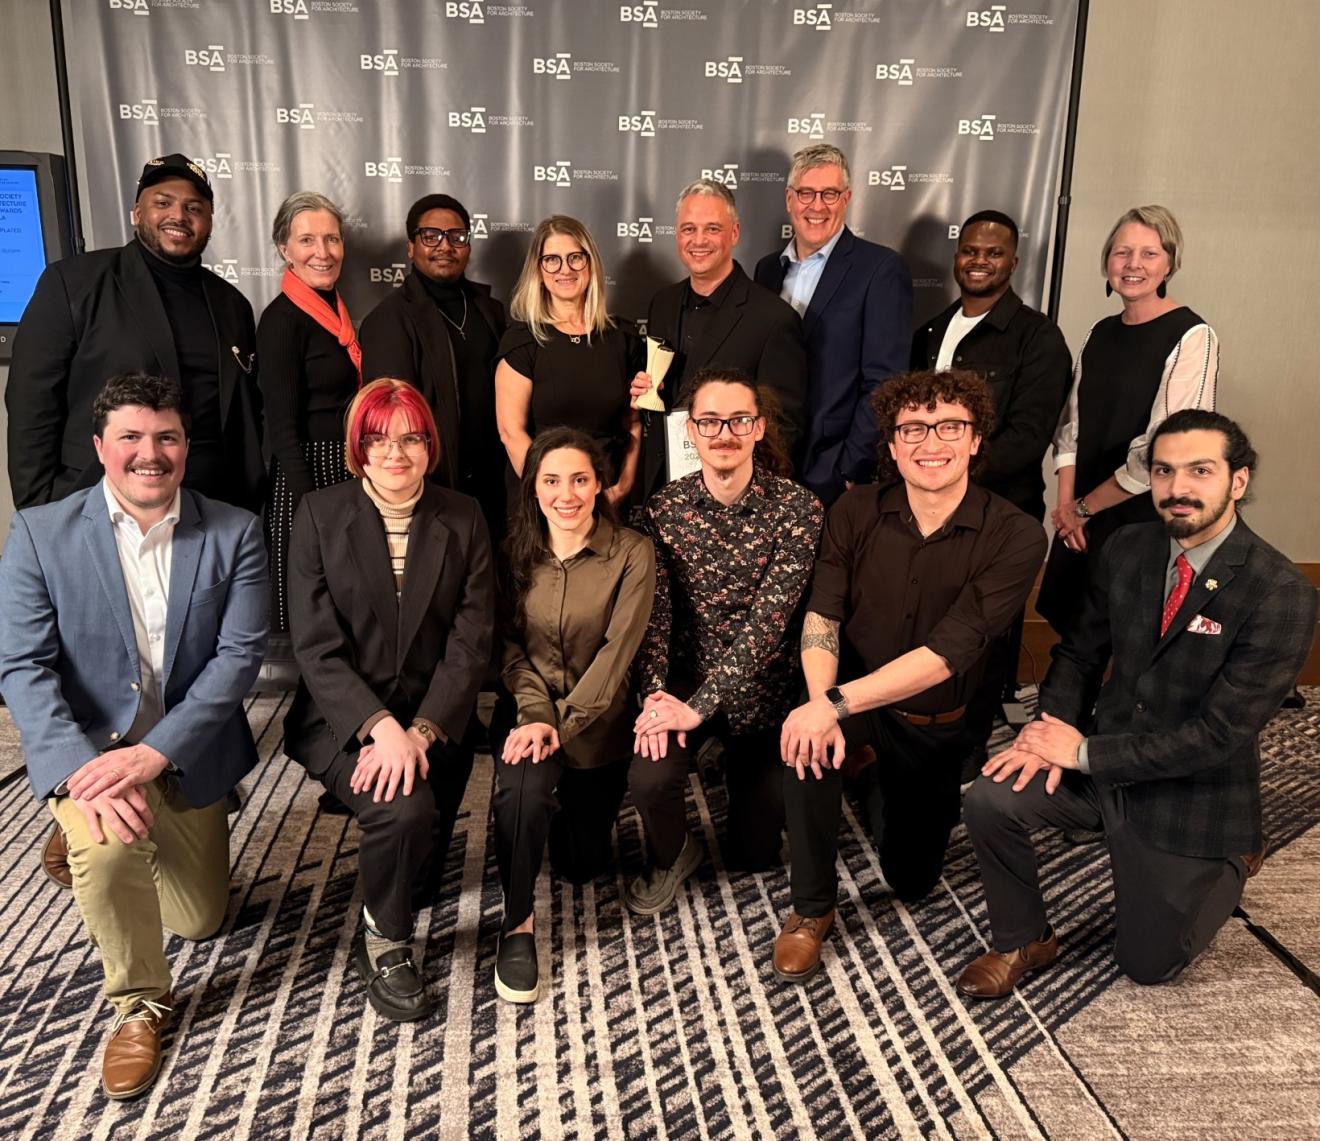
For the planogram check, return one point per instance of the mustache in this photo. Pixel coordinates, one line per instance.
(1180, 501)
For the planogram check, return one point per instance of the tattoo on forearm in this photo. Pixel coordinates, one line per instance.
(820, 634)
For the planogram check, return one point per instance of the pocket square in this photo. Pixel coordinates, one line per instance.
(1202, 625)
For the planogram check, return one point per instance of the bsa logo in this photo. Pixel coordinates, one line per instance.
(640, 230)
(895, 178)
(991, 21)
(728, 69)
(394, 273)
(386, 62)
(473, 120)
(473, 11)
(726, 175)
(480, 226)
(560, 65)
(147, 112)
(557, 174)
(644, 14)
(228, 268)
(301, 116)
(643, 123)
(211, 57)
(900, 72)
(813, 127)
(982, 129)
(132, 7)
(390, 169)
(817, 17)
(217, 166)
(295, 8)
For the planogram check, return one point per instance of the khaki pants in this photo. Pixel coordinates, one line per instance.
(178, 878)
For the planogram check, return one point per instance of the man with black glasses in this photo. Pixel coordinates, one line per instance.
(914, 580)
(439, 331)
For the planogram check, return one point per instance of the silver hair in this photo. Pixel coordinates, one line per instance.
(819, 154)
(299, 203)
(709, 188)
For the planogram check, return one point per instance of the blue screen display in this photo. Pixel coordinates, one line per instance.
(22, 248)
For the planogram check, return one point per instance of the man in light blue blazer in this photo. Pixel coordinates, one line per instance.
(134, 622)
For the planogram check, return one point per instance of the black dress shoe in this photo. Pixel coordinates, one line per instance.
(394, 985)
(517, 977)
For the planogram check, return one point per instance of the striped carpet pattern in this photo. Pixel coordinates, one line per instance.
(671, 1026)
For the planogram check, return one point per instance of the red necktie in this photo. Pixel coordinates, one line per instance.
(1177, 594)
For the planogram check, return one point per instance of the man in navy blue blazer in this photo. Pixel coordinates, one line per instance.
(855, 300)
(134, 616)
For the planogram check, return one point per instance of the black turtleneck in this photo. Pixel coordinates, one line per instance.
(474, 356)
(183, 295)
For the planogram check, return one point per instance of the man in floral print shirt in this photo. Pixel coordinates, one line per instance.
(735, 543)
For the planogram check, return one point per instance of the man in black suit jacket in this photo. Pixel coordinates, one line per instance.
(1023, 357)
(147, 307)
(855, 300)
(1208, 627)
(719, 318)
(440, 332)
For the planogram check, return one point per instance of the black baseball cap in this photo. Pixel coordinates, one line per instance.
(175, 166)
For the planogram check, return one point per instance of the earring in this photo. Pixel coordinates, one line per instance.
(1109, 290)
(1162, 290)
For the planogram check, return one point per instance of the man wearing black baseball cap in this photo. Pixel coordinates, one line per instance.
(147, 307)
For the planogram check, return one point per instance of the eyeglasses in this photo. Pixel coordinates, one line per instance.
(430, 237)
(712, 426)
(914, 431)
(578, 259)
(378, 447)
(807, 196)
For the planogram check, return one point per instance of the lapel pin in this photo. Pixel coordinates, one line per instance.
(1212, 584)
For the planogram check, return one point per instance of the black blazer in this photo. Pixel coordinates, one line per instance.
(98, 314)
(1024, 359)
(1177, 722)
(857, 330)
(406, 337)
(755, 330)
(359, 650)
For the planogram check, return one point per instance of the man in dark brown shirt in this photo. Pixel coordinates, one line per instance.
(920, 576)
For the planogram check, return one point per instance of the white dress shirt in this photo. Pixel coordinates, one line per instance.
(146, 561)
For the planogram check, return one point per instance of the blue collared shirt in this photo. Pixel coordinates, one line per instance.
(803, 275)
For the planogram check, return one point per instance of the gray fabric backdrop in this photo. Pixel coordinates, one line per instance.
(594, 108)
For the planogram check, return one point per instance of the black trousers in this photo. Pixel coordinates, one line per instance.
(909, 798)
(999, 679)
(1167, 907)
(753, 838)
(573, 809)
(404, 841)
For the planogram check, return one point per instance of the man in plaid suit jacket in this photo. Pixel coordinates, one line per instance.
(1208, 627)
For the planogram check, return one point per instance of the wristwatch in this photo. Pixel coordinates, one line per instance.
(425, 731)
(1083, 512)
(834, 695)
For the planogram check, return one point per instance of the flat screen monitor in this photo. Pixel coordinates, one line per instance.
(34, 230)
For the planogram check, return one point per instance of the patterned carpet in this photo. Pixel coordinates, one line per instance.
(668, 1027)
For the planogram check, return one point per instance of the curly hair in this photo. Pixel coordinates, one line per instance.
(138, 390)
(925, 390)
(770, 452)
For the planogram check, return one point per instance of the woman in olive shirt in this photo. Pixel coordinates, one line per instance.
(577, 602)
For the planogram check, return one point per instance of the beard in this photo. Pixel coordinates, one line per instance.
(1185, 526)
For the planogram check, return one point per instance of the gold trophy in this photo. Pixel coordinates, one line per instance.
(659, 356)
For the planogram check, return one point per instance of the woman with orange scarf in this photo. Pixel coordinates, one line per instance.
(310, 367)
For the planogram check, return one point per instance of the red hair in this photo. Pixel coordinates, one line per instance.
(371, 412)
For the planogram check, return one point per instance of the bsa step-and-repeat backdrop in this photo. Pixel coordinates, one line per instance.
(595, 108)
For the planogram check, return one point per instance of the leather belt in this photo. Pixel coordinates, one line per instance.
(933, 718)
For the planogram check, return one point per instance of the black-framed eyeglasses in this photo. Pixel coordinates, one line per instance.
(431, 237)
(411, 443)
(807, 196)
(914, 431)
(712, 426)
(578, 259)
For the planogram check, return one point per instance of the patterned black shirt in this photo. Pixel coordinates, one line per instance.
(730, 583)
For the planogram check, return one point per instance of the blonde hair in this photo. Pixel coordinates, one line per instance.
(531, 300)
(1158, 218)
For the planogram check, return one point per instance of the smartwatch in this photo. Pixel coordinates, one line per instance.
(834, 695)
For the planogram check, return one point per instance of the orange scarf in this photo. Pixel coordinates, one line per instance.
(338, 324)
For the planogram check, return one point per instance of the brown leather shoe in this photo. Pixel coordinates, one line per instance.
(55, 858)
(1253, 862)
(996, 973)
(132, 1053)
(797, 950)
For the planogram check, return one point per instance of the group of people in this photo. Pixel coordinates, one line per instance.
(451, 502)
